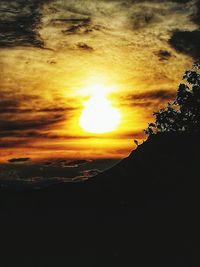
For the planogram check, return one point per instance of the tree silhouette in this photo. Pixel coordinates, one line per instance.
(184, 113)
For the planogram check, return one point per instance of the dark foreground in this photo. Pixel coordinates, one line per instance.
(142, 212)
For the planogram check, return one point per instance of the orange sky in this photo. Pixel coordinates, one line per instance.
(72, 50)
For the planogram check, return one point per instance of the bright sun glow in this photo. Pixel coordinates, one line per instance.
(99, 116)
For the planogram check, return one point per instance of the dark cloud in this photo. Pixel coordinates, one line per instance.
(84, 46)
(19, 23)
(26, 134)
(77, 23)
(8, 104)
(75, 29)
(33, 110)
(18, 103)
(18, 160)
(51, 62)
(11, 143)
(142, 19)
(163, 54)
(66, 163)
(141, 104)
(187, 42)
(82, 28)
(13, 110)
(149, 101)
(40, 134)
(59, 109)
(19, 125)
(35, 123)
(17, 119)
(149, 13)
(76, 163)
(152, 95)
(73, 21)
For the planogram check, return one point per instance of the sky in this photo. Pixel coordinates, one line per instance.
(55, 56)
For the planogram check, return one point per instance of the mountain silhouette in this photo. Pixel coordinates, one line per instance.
(141, 212)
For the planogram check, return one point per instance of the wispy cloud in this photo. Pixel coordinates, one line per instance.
(20, 22)
(153, 95)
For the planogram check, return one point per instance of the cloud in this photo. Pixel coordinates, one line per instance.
(152, 95)
(163, 54)
(76, 163)
(148, 102)
(64, 163)
(42, 133)
(150, 14)
(187, 42)
(84, 46)
(39, 110)
(69, 20)
(35, 123)
(83, 28)
(6, 104)
(18, 160)
(88, 19)
(86, 174)
(22, 20)
(76, 25)
(15, 104)
(19, 23)
(145, 17)
(12, 143)
(29, 116)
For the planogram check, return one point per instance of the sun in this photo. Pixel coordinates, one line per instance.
(99, 116)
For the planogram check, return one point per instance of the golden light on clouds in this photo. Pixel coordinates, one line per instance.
(83, 77)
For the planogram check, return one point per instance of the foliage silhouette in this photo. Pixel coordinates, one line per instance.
(184, 113)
